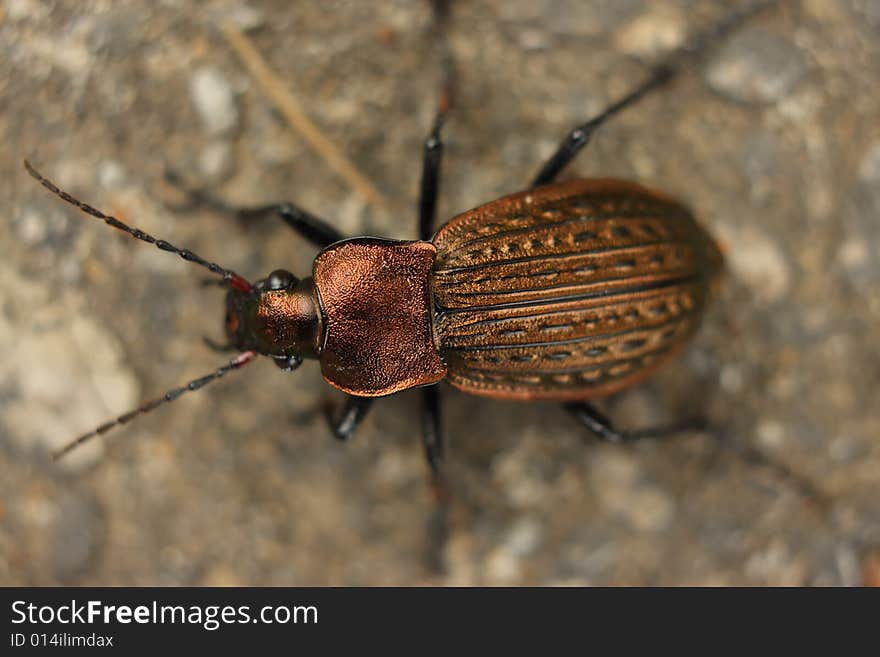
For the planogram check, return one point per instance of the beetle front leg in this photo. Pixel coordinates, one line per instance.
(349, 419)
(603, 428)
(315, 230)
(312, 228)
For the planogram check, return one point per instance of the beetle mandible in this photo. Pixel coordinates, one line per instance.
(564, 292)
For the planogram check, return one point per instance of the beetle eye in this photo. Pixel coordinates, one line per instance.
(280, 279)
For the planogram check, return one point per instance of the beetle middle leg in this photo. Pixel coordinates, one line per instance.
(432, 435)
(353, 412)
(433, 155)
(312, 228)
(433, 148)
(603, 428)
(662, 73)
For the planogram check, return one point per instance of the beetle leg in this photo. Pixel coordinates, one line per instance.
(433, 155)
(315, 230)
(580, 136)
(660, 75)
(352, 413)
(432, 438)
(433, 149)
(603, 428)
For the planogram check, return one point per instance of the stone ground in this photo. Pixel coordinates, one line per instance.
(774, 141)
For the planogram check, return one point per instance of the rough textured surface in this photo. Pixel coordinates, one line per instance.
(774, 142)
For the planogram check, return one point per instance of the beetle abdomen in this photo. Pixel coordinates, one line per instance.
(568, 291)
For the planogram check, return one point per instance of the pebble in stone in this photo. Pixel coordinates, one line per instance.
(75, 534)
(513, 470)
(49, 407)
(854, 254)
(244, 17)
(846, 565)
(616, 481)
(857, 252)
(869, 167)
(531, 39)
(502, 567)
(504, 563)
(651, 34)
(756, 66)
(577, 18)
(759, 158)
(111, 174)
(215, 101)
(775, 565)
(17, 10)
(869, 177)
(216, 161)
(732, 378)
(757, 262)
(32, 228)
(771, 434)
(525, 537)
(650, 510)
(845, 449)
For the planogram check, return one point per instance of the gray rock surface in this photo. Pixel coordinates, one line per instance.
(773, 141)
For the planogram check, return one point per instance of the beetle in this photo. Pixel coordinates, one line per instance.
(567, 291)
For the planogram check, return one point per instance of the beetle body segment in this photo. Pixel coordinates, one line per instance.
(568, 291)
(376, 307)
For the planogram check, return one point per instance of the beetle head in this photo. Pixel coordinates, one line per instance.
(276, 317)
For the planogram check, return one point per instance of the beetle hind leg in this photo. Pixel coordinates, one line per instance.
(432, 439)
(660, 75)
(346, 423)
(603, 428)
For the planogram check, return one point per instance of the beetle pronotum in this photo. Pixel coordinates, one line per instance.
(566, 291)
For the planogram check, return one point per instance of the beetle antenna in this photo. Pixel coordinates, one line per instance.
(230, 278)
(236, 363)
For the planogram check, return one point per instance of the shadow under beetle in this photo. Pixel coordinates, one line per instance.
(565, 292)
